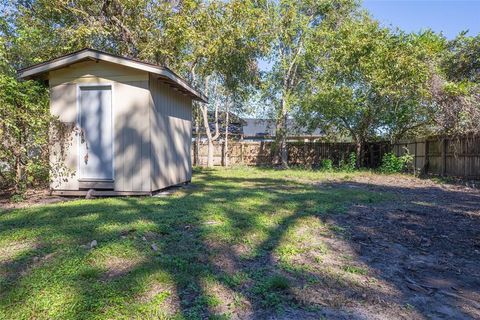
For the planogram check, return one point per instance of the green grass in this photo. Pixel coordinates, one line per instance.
(355, 270)
(238, 239)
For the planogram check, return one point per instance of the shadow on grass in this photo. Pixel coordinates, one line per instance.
(206, 252)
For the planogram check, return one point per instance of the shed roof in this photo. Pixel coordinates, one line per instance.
(167, 75)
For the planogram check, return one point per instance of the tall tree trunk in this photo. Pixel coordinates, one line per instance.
(196, 145)
(17, 153)
(209, 136)
(198, 114)
(18, 174)
(359, 142)
(210, 154)
(281, 152)
(208, 132)
(225, 146)
(206, 125)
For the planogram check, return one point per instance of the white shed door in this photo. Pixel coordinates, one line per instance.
(96, 137)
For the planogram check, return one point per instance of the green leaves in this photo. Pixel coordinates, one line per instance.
(295, 26)
(24, 123)
(393, 164)
(461, 61)
(454, 86)
(367, 79)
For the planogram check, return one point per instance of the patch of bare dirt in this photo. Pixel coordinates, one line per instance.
(425, 244)
(33, 197)
(16, 260)
(118, 266)
(169, 305)
(9, 250)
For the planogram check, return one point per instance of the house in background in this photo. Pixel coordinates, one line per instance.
(253, 129)
(235, 126)
(264, 130)
(132, 120)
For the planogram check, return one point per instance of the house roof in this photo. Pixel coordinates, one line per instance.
(167, 75)
(235, 123)
(266, 128)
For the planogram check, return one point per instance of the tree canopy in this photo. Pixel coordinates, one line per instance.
(366, 80)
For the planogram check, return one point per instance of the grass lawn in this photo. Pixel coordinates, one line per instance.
(237, 243)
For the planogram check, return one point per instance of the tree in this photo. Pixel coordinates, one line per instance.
(455, 86)
(367, 81)
(294, 23)
(460, 61)
(406, 96)
(215, 100)
(227, 38)
(24, 125)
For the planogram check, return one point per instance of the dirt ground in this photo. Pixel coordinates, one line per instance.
(32, 197)
(425, 245)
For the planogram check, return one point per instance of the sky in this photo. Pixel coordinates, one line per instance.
(447, 16)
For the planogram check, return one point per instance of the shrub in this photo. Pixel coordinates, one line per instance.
(327, 165)
(17, 198)
(393, 164)
(349, 165)
(24, 121)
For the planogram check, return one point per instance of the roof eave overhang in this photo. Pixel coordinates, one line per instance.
(38, 71)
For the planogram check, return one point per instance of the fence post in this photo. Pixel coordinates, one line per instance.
(222, 156)
(241, 153)
(443, 149)
(370, 161)
(415, 159)
(426, 163)
(464, 150)
(305, 153)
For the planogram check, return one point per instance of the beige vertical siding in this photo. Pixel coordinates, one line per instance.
(171, 135)
(131, 103)
(132, 136)
(64, 151)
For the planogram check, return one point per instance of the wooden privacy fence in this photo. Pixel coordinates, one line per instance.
(457, 157)
(299, 153)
